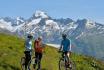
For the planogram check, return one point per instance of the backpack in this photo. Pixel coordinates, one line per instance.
(38, 47)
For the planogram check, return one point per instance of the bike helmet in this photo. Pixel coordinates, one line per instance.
(40, 37)
(64, 35)
(30, 36)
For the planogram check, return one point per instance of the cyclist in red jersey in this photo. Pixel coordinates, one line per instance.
(38, 47)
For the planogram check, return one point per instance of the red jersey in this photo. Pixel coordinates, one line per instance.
(38, 46)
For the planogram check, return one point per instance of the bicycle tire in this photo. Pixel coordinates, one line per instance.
(31, 62)
(61, 64)
(66, 63)
(72, 65)
(22, 63)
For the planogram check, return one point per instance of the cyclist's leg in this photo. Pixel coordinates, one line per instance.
(39, 62)
(67, 58)
(66, 53)
(26, 60)
(29, 59)
(69, 55)
(36, 57)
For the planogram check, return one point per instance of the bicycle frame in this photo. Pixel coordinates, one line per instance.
(64, 59)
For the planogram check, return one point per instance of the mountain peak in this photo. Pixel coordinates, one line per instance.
(19, 17)
(87, 23)
(41, 14)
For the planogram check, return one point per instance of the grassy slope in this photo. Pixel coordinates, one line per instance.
(11, 50)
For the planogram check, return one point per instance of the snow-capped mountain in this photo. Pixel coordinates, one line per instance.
(6, 25)
(86, 35)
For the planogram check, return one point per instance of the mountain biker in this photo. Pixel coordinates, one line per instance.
(38, 47)
(28, 49)
(65, 45)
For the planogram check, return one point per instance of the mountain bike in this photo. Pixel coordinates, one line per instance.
(32, 63)
(65, 62)
(23, 61)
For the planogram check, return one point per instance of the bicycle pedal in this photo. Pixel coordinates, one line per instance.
(70, 66)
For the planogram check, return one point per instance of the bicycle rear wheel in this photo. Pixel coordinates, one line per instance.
(22, 63)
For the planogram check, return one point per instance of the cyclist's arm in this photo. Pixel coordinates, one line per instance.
(35, 44)
(60, 48)
(70, 46)
(24, 44)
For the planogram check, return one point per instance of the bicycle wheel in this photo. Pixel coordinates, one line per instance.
(62, 64)
(67, 63)
(72, 65)
(22, 63)
(31, 63)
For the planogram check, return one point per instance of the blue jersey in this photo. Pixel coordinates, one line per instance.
(66, 44)
(28, 45)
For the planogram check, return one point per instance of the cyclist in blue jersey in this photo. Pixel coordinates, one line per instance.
(28, 49)
(65, 45)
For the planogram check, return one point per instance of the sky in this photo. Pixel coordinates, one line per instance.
(74, 9)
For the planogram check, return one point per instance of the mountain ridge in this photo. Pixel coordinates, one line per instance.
(85, 34)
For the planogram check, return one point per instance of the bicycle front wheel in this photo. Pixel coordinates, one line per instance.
(62, 64)
(31, 63)
(22, 62)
